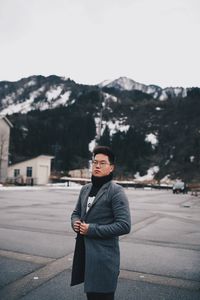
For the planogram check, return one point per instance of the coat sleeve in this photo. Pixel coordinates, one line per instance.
(122, 220)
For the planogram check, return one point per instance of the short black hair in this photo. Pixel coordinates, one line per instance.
(106, 151)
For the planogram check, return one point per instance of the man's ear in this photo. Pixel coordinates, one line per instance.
(112, 167)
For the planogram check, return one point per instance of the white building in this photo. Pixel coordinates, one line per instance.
(5, 126)
(80, 173)
(33, 171)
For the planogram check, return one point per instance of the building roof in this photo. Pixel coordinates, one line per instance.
(31, 158)
(6, 120)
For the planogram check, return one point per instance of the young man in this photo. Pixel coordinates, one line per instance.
(101, 215)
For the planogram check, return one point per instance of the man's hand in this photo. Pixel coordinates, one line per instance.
(77, 225)
(84, 228)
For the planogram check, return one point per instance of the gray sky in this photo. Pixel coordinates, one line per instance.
(149, 41)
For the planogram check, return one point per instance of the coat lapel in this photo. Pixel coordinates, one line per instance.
(85, 199)
(98, 196)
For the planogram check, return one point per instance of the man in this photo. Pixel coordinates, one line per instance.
(101, 215)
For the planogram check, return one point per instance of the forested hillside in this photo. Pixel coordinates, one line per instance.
(62, 118)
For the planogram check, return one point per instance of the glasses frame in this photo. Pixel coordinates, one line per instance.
(101, 164)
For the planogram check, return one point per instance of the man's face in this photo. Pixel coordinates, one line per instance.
(101, 165)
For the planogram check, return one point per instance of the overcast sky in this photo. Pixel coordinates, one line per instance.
(149, 41)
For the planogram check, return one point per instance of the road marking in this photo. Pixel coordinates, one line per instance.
(162, 280)
(23, 286)
(140, 225)
(26, 257)
(26, 284)
(140, 241)
(145, 222)
(39, 230)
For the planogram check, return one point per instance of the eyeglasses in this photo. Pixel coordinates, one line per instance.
(101, 164)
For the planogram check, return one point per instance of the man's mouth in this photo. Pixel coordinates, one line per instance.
(97, 171)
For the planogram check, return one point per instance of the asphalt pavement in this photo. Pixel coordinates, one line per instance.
(160, 258)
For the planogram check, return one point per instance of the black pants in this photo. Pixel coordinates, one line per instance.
(100, 296)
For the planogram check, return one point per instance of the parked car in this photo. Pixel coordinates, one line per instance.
(179, 187)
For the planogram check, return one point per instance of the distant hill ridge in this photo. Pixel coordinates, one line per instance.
(149, 128)
(39, 92)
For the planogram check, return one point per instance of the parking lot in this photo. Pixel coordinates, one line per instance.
(160, 258)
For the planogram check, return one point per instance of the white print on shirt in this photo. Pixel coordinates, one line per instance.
(89, 202)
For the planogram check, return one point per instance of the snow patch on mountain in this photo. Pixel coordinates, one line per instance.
(108, 97)
(29, 104)
(62, 100)
(113, 125)
(92, 145)
(50, 104)
(31, 83)
(152, 138)
(163, 96)
(149, 176)
(20, 91)
(124, 83)
(192, 158)
(53, 93)
(8, 100)
(22, 107)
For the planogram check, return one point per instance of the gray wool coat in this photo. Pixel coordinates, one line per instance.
(108, 218)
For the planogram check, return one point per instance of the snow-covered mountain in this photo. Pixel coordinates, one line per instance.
(35, 93)
(124, 83)
(41, 93)
(146, 125)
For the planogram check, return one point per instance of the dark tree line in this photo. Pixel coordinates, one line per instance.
(66, 132)
(54, 132)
